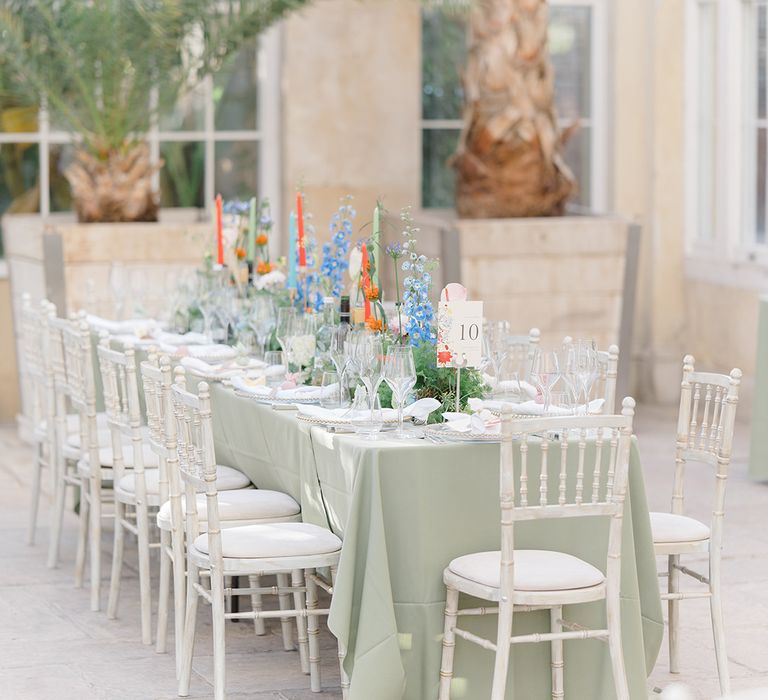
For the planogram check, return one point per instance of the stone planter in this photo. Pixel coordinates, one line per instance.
(572, 275)
(72, 264)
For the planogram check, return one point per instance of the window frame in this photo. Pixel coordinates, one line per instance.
(734, 257)
(267, 135)
(597, 122)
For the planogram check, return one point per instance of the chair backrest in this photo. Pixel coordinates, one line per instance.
(582, 472)
(605, 384)
(32, 358)
(522, 348)
(121, 404)
(194, 457)
(705, 427)
(155, 385)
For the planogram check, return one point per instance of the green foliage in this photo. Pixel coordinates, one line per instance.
(107, 67)
(439, 383)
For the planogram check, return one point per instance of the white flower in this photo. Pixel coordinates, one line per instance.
(302, 349)
(271, 279)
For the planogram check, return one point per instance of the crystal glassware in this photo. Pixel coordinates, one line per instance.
(400, 375)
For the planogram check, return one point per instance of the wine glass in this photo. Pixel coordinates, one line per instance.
(366, 414)
(545, 373)
(586, 367)
(283, 326)
(261, 318)
(400, 375)
(370, 354)
(339, 357)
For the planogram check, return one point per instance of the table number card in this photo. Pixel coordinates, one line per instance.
(459, 329)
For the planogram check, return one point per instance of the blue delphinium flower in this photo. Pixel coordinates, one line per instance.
(416, 303)
(336, 252)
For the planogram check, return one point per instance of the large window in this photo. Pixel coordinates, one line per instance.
(726, 132)
(218, 138)
(575, 41)
(756, 165)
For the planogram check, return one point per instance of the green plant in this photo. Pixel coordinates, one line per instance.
(439, 383)
(107, 68)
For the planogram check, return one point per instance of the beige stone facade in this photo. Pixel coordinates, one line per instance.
(350, 83)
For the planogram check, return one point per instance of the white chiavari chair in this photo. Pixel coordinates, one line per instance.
(37, 385)
(130, 480)
(519, 580)
(705, 427)
(237, 507)
(295, 548)
(521, 348)
(65, 469)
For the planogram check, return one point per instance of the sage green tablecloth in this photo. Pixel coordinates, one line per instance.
(404, 510)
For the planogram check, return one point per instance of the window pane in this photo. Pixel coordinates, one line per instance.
(577, 154)
(705, 218)
(182, 176)
(61, 156)
(570, 40)
(237, 168)
(443, 52)
(437, 179)
(762, 48)
(235, 92)
(19, 186)
(760, 193)
(188, 114)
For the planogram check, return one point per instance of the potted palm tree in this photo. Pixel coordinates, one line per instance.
(520, 251)
(105, 71)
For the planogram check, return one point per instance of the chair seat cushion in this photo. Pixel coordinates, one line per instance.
(150, 459)
(227, 478)
(273, 540)
(535, 570)
(241, 504)
(668, 527)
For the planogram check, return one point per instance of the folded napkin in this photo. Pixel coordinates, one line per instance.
(139, 327)
(302, 392)
(175, 339)
(511, 385)
(482, 422)
(223, 370)
(216, 352)
(418, 409)
(532, 408)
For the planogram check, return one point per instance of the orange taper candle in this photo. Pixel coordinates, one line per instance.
(366, 283)
(300, 223)
(219, 231)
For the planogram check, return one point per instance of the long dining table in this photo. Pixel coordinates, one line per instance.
(404, 509)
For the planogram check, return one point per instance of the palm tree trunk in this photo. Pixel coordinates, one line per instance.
(117, 187)
(509, 160)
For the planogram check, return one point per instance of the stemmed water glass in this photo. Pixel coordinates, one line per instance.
(400, 375)
(340, 358)
(284, 327)
(261, 319)
(369, 356)
(585, 368)
(546, 372)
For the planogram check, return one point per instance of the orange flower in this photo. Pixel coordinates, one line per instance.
(372, 293)
(264, 267)
(261, 239)
(374, 324)
(240, 252)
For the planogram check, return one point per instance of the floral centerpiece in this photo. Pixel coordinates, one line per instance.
(416, 325)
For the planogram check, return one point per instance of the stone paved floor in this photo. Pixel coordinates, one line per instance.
(51, 646)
